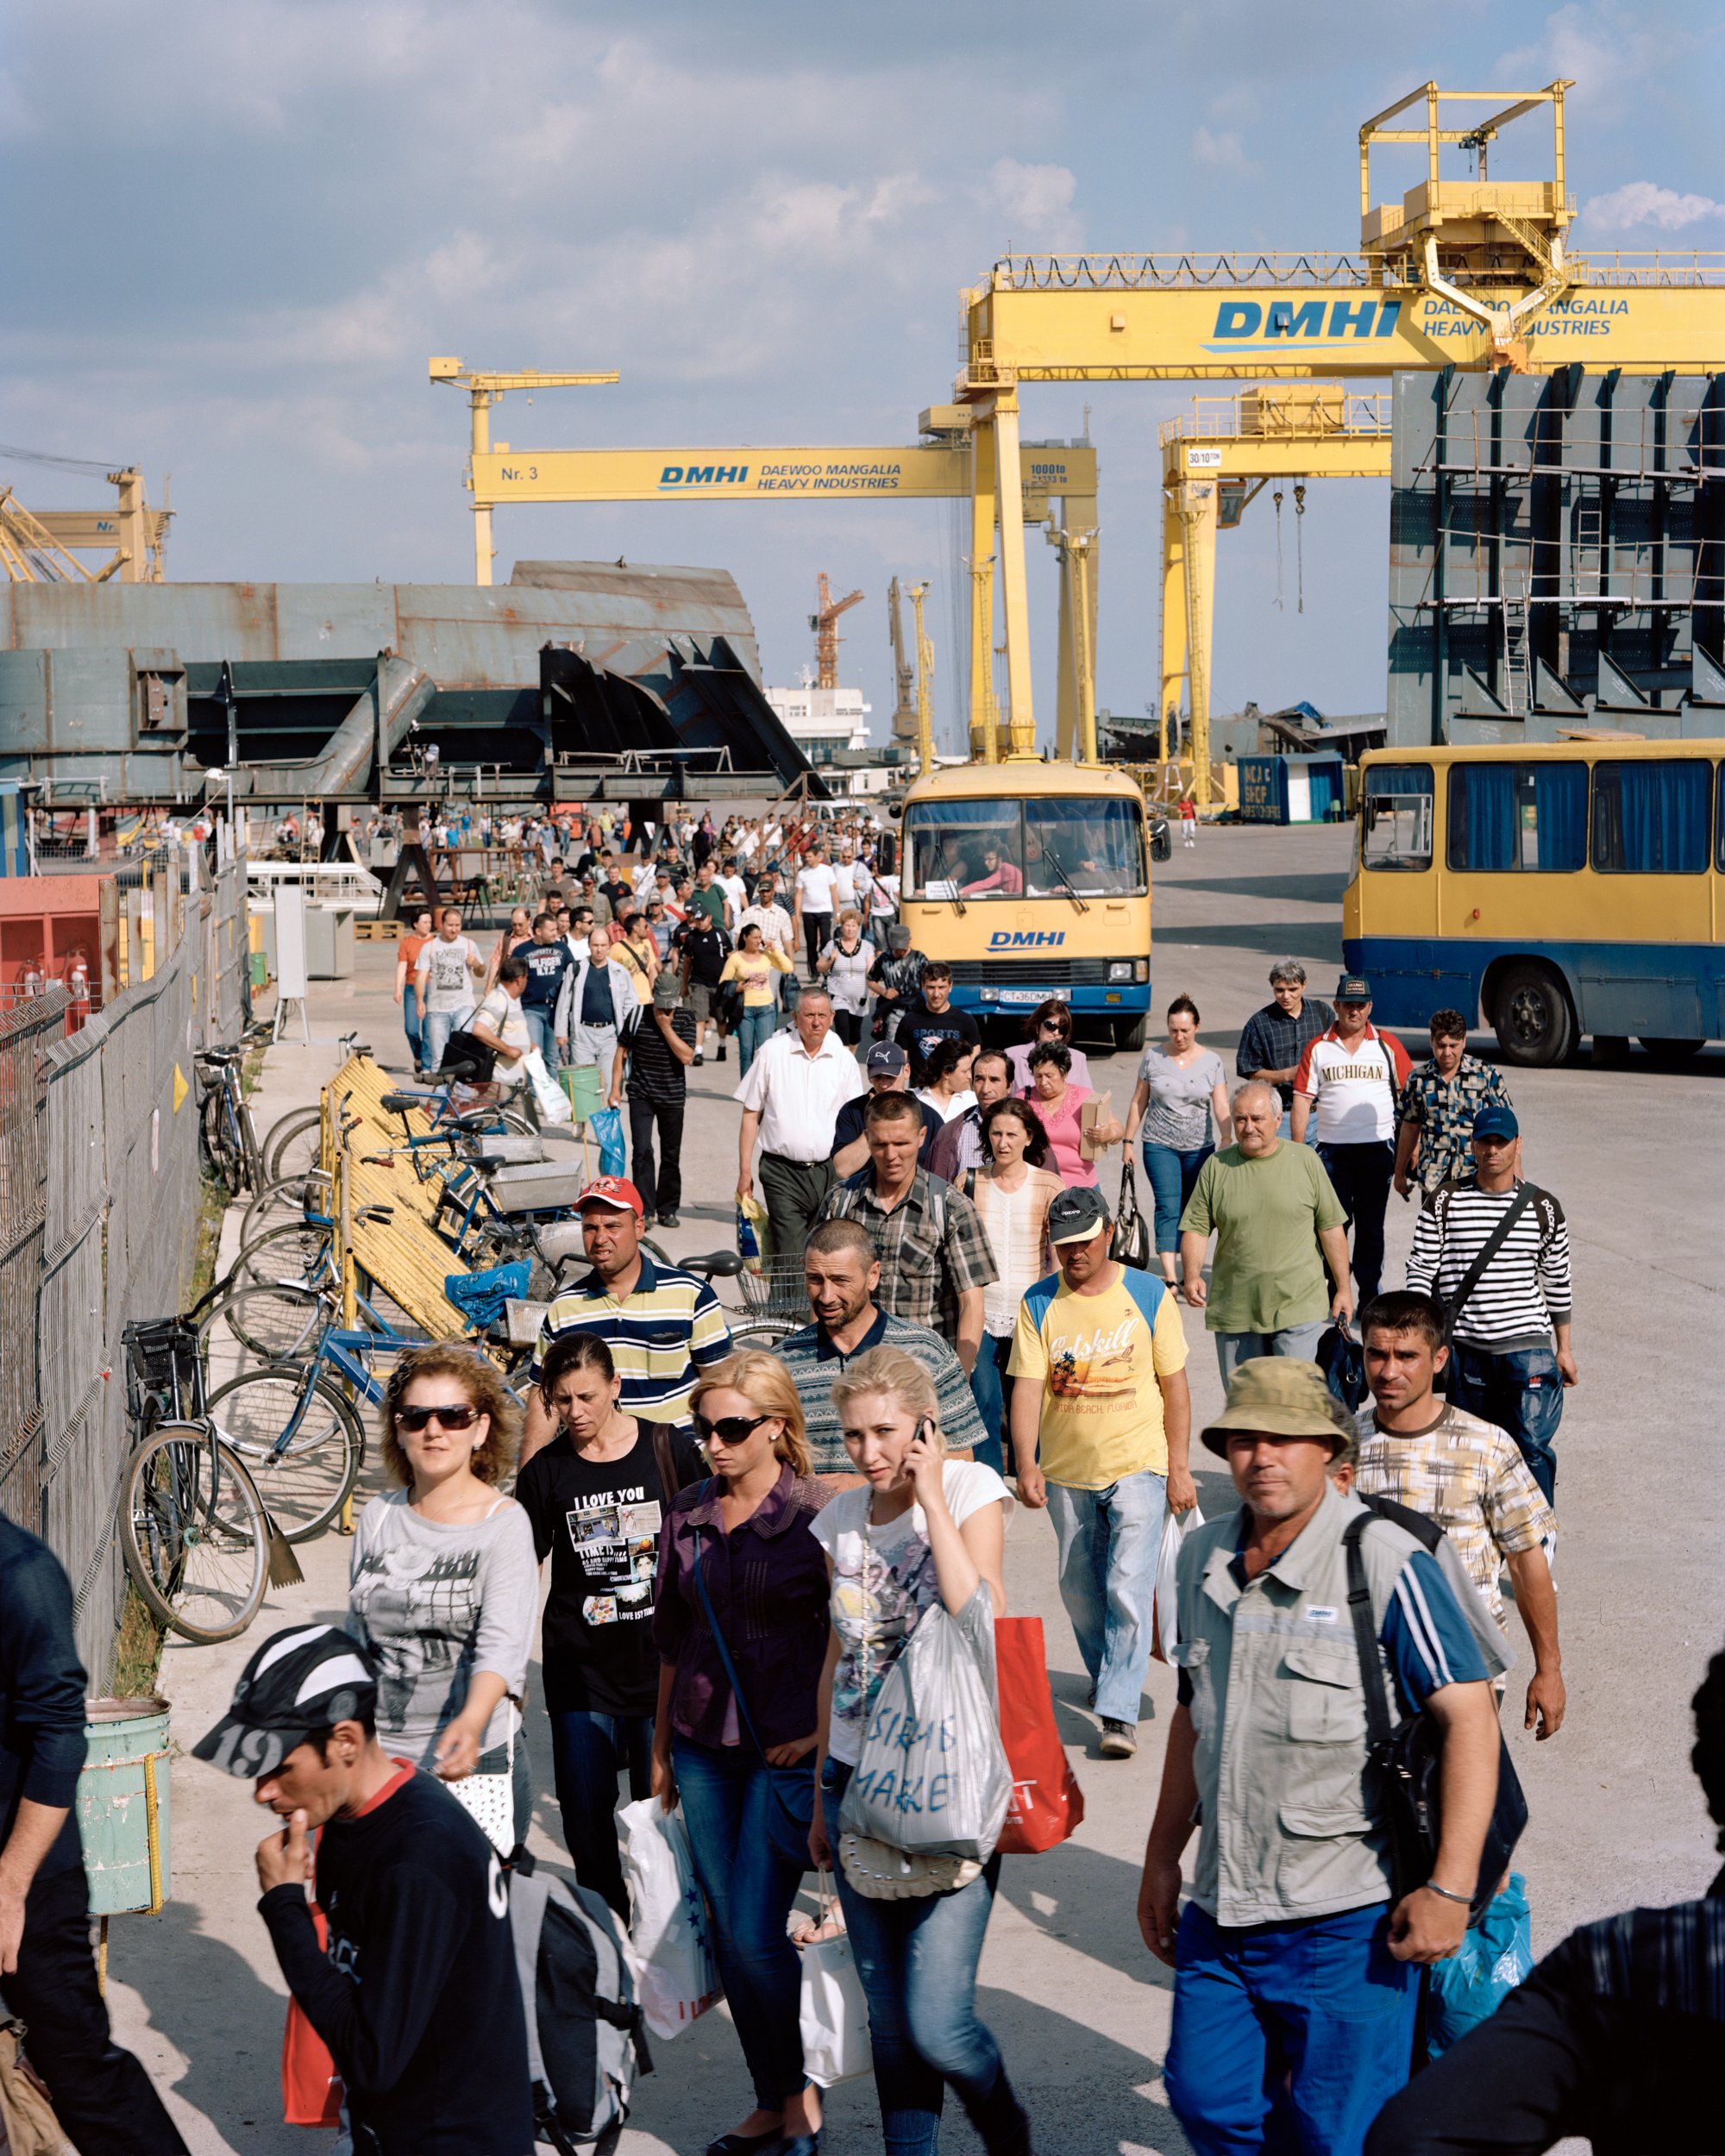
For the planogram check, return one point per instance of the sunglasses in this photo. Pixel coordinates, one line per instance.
(1055, 1025)
(729, 1429)
(460, 1415)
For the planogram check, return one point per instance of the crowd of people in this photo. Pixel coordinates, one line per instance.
(741, 1544)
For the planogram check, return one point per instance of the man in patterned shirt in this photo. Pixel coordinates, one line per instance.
(1466, 1474)
(934, 1251)
(1439, 1103)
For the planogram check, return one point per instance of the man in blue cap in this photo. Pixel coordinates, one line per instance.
(1495, 1252)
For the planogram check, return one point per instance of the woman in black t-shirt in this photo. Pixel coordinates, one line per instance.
(596, 1495)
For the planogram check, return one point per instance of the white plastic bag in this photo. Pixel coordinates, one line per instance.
(553, 1103)
(1175, 1528)
(679, 1977)
(832, 2015)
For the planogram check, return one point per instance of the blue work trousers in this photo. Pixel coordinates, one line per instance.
(1521, 1391)
(1290, 2037)
(589, 1750)
(410, 1020)
(1109, 1541)
(748, 1826)
(918, 1959)
(1173, 1175)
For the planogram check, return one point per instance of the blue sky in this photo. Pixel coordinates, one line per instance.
(240, 227)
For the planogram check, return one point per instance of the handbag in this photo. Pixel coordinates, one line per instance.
(27, 2124)
(832, 2011)
(489, 1799)
(1129, 1244)
(477, 1059)
(1046, 1806)
(1409, 1754)
(1164, 1631)
(604, 1125)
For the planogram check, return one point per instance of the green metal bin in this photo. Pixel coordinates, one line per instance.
(123, 1805)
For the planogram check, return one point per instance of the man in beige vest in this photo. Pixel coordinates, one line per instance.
(1296, 1969)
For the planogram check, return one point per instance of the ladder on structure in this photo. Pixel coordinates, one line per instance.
(1517, 677)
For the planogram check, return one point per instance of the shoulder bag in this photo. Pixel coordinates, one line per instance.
(1130, 1242)
(1407, 1754)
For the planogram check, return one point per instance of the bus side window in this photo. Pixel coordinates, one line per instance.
(1650, 819)
(1396, 816)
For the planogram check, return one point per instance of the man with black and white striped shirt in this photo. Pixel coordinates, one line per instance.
(1510, 1355)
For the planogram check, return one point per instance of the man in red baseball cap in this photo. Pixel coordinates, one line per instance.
(658, 1360)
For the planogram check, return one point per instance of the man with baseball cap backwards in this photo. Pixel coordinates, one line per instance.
(1296, 1979)
(663, 1325)
(417, 1994)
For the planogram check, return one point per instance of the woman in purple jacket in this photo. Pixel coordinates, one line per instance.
(740, 1622)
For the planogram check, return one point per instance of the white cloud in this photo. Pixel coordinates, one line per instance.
(1037, 200)
(1221, 151)
(1600, 47)
(1641, 203)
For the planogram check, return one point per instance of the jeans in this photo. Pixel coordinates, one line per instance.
(1285, 1128)
(1361, 1175)
(435, 1028)
(542, 1031)
(748, 1826)
(1305, 2029)
(1109, 1542)
(1521, 1391)
(410, 1020)
(102, 2096)
(588, 1750)
(1300, 1341)
(757, 1026)
(988, 1384)
(660, 1188)
(918, 1958)
(1172, 1176)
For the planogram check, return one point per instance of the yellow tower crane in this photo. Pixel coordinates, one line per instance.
(825, 622)
(483, 391)
(1460, 272)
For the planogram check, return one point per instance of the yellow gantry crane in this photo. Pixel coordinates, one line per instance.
(1467, 272)
(1215, 461)
(43, 546)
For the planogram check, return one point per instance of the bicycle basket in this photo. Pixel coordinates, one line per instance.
(164, 1370)
(777, 1288)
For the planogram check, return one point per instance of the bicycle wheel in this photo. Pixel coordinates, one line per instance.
(290, 1199)
(306, 1482)
(193, 1534)
(275, 1321)
(300, 1252)
(762, 1332)
(295, 1144)
(220, 1153)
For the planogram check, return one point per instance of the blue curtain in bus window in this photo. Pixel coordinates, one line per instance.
(1483, 815)
(1650, 819)
(1560, 792)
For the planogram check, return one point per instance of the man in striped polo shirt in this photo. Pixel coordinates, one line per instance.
(1510, 1355)
(663, 1326)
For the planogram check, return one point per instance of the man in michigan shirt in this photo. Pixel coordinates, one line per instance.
(1100, 1360)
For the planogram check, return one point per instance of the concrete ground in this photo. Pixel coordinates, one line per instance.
(1080, 2007)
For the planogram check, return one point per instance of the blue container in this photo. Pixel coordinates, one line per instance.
(122, 1805)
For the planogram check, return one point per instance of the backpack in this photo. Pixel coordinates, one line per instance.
(586, 2039)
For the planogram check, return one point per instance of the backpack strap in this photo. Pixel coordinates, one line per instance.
(1379, 1722)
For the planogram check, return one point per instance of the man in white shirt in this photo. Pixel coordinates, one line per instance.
(446, 979)
(735, 891)
(846, 872)
(790, 1101)
(1352, 1076)
(815, 902)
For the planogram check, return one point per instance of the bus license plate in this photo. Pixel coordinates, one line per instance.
(1023, 995)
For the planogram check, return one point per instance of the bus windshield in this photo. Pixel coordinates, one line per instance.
(1009, 849)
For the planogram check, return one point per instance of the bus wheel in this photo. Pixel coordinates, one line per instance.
(1532, 1017)
(1129, 1034)
(1671, 1053)
(1611, 1050)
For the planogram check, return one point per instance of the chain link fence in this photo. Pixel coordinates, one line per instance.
(99, 1186)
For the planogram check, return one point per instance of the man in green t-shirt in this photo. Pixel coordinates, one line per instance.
(1278, 1223)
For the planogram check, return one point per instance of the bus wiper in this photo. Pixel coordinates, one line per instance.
(1048, 854)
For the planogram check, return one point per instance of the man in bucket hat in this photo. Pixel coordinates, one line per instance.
(1296, 1979)
(416, 1994)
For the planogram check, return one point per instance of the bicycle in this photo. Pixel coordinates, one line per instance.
(195, 1537)
(225, 1124)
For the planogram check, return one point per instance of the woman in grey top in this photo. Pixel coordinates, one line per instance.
(845, 965)
(444, 1581)
(1180, 1087)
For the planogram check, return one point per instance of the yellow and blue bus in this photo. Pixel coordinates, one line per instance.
(1031, 879)
(1550, 892)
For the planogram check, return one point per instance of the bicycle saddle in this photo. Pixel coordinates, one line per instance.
(400, 1103)
(721, 1265)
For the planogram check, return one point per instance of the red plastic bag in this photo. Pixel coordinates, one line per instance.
(1047, 1804)
(312, 2089)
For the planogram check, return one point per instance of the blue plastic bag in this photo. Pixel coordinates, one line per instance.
(481, 1297)
(604, 1125)
(1496, 1956)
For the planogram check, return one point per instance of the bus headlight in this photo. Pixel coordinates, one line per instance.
(1119, 969)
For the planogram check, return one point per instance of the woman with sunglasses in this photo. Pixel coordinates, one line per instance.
(922, 1529)
(740, 1624)
(443, 1584)
(1181, 1087)
(1050, 1021)
(597, 1496)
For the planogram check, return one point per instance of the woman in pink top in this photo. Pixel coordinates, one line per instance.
(1057, 1101)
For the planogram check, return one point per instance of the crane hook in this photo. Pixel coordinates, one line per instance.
(1277, 498)
(1299, 543)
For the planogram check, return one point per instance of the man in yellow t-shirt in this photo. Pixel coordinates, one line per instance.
(1099, 1361)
